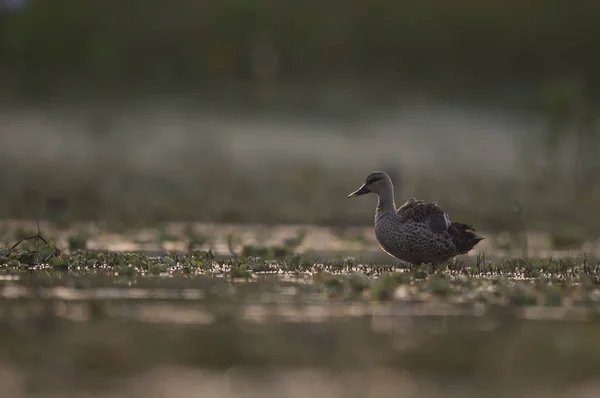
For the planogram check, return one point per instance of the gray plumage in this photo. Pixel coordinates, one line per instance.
(418, 232)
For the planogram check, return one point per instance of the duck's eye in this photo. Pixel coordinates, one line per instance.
(372, 180)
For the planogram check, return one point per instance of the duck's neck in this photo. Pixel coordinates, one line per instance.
(385, 205)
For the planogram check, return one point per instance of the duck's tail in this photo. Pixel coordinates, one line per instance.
(464, 237)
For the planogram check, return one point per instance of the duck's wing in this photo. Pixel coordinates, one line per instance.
(426, 213)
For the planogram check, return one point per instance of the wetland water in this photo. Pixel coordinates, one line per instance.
(96, 323)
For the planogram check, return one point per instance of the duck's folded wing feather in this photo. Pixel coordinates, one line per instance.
(427, 213)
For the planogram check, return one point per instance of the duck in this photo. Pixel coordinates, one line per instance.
(417, 232)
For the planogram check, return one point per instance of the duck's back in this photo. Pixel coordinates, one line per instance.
(429, 214)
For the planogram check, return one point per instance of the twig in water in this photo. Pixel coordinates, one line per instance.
(38, 237)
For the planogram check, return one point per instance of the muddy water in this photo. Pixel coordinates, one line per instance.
(89, 336)
(100, 334)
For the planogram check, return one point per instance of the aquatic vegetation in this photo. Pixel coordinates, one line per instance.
(119, 313)
(77, 242)
(510, 282)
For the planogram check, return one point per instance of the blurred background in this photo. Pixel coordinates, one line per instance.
(233, 113)
(269, 111)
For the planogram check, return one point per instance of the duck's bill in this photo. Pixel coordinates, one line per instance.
(361, 191)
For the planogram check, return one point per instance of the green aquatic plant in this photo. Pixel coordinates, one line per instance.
(240, 271)
(77, 242)
(383, 288)
(341, 264)
(358, 283)
(333, 286)
(522, 294)
(554, 295)
(255, 251)
(126, 270)
(440, 286)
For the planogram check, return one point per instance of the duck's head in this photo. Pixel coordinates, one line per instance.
(376, 182)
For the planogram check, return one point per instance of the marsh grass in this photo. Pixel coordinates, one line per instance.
(512, 282)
